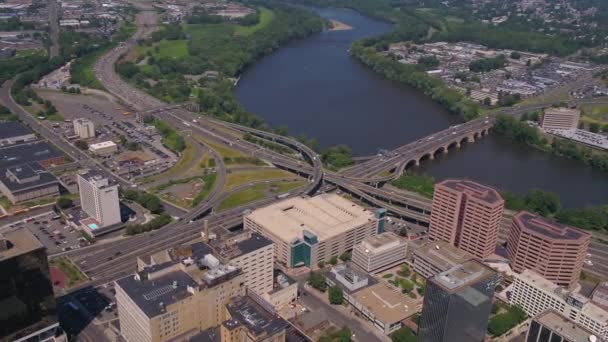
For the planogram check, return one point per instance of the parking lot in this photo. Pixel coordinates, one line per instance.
(52, 231)
(114, 123)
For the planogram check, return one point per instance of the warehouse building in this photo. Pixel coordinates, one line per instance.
(12, 132)
(28, 182)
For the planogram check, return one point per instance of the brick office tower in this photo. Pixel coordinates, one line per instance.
(553, 250)
(466, 215)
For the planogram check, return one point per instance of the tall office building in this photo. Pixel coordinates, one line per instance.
(553, 250)
(27, 302)
(466, 215)
(99, 199)
(84, 128)
(457, 304)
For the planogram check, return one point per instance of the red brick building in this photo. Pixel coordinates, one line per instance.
(553, 250)
(466, 215)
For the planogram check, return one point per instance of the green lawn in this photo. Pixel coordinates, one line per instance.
(281, 187)
(222, 149)
(240, 198)
(237, 178)
(266, 16)
(181, 167)
(595, 113)
(72, 273)
(29, 52)
(172, 49)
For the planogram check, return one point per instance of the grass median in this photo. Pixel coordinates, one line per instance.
(72, 273)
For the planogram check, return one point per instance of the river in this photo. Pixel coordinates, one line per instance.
(314, 87)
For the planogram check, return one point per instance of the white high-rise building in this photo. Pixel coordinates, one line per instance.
(84, 128)
(99, 199)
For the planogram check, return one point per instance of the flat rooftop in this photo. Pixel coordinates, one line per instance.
(442, 255)
(241, 244)
(386, 303)
(541, 226)
(463, 275)
(20, 241)
(10, 129)
(36, 151)
(563, 326)
(326, 216)
(151, 296)
(102, 144)
(19, 182)
(254, 317)
(377, 242)
(473, 189)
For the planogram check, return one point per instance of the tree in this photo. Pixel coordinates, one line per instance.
(404, 334)
(542, 202)
(64, 202)
(345, 256)
(335, 295)
(515, 55)
(403, 232)
(594, 127)
(321, 264)
(333, 260)
(132, 146)
(487, 101)
(81, 144)
(317, 281)
(405, 271)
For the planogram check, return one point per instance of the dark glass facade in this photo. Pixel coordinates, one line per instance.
(27, 302)
(460, 315)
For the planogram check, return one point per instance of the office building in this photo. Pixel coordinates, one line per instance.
(28, 182)
(176, 300)
(306, 231)
(437, 256)
(555, 251)
(380, 252)
(36, 151)
(252, 253)
(550, 326)
(561, 118)
(84, 128)
(104, 149)
(599, 296)
(349, 279)
(536, 294)
(385, 306)
(284, 292)
(13, 132)
(457, 304)
(467, 215)
(27, 302)
(99, 199)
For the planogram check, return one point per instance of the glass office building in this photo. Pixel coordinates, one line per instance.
(27, 302)
(457, 304)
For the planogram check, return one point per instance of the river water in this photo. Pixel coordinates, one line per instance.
(314, 87)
